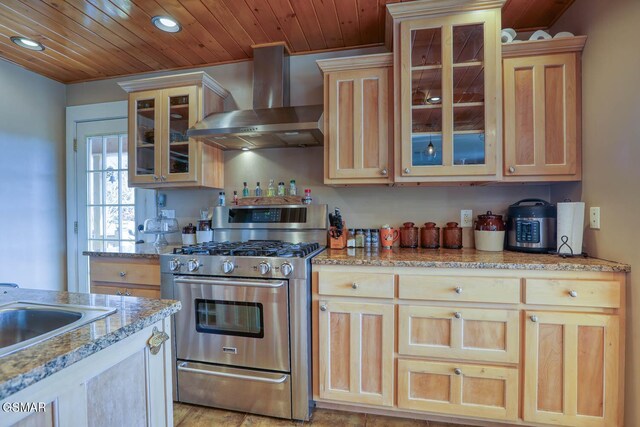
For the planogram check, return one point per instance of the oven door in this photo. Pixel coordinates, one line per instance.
(239, 322)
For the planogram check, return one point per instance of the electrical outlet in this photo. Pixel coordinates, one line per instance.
(168, 213)
(594, 218)
(466, 218)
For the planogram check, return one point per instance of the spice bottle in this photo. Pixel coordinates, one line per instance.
(245, 190)
(221, 199)
(359, 238)
(271, 190)
(281, 188)
(367, 239)
(375, 239)
(258, 190)
(307, 196)
(351, 239)
(293, 191)
(235, 197)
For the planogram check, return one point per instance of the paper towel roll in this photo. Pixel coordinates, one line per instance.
(507, 35)
(540, 35)
(570, 227)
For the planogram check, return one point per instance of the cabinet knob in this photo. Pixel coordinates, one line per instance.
(323, 307)
(164, 178)
(457, 371)
(457, 315)
(354, 285)
(407, 170)
(573, 294)
(458, 290)
(155, 177)
(123, 273)
(384, 171)
(534, 319)
(512, 169)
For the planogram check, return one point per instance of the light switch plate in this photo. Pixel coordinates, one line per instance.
(466, 218)
(594, 218)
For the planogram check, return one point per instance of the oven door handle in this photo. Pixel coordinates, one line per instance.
(218, 282)
(183, 367)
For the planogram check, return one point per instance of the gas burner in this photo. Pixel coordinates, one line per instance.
(262, 248)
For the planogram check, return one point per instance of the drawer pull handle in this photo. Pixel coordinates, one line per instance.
(458, 290)
(323, 307)
(354, 285)
(127, 293)
(123, 273)
(573, 294)
(457, 371)
(534, 319)
(457, 315)
(118, 293)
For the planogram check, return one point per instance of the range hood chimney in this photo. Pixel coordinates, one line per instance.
(272, 122)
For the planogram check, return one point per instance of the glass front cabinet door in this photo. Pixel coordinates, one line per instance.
(449, 98)
(162, 152)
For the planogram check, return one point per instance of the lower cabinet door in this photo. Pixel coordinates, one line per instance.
(457, 388)
(356, 343)
(459, 333)
(571, 375)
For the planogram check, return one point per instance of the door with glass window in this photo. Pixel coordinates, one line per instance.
(108, 210)
(449, 102)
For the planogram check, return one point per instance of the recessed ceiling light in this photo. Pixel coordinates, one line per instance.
(166, 23)
(27, 43)
(175, 116)
(434, 100)
(245, 148)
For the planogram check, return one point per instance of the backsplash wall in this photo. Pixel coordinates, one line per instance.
(366, 207)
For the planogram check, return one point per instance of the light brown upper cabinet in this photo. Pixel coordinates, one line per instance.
(161, 110)
(358, 119)
(542, 114)
(448, 90)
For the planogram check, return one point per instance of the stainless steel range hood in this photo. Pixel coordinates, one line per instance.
(272, 122)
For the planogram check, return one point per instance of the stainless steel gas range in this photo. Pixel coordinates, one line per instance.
(243, 336)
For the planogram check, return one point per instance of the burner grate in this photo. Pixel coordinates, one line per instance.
(259, 248)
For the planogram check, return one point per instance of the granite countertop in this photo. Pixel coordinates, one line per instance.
(142, 250)
(25, 367)
(464, 258)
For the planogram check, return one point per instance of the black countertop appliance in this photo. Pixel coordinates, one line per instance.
(531, 226)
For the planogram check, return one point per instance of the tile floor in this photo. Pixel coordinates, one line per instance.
(199, 416)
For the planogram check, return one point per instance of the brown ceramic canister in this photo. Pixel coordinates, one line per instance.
(408, 235)
(489, 222)
(452, 236)
(430, 236)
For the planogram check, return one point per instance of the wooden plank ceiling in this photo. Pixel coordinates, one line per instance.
(95, 39)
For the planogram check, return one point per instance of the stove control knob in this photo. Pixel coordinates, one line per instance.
(193, 264)
(227, 266)
(286, 269)
(264, 267)
(175, 264)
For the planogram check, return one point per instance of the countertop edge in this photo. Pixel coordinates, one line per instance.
(24, 380)
(622, 268)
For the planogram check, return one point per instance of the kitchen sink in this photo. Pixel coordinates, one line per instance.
(23, 324)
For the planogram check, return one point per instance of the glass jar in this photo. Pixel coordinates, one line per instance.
(367, 239)
(375, 239)
(351, 238)
(359, 239)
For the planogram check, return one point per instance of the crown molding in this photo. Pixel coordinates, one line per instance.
(355, 62)
(175, 80)
(543, 47)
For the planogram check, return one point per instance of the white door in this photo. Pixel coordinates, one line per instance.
(108, 211)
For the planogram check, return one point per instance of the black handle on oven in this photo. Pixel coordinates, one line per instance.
(229, 282)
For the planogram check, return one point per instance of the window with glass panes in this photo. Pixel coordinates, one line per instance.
(110, 201)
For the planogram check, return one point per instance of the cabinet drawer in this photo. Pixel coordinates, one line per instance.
(578, 293)
(459, 333)
(458, 388)
(116, 289)
(451, 288)
(356, 284)
(125, 271)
